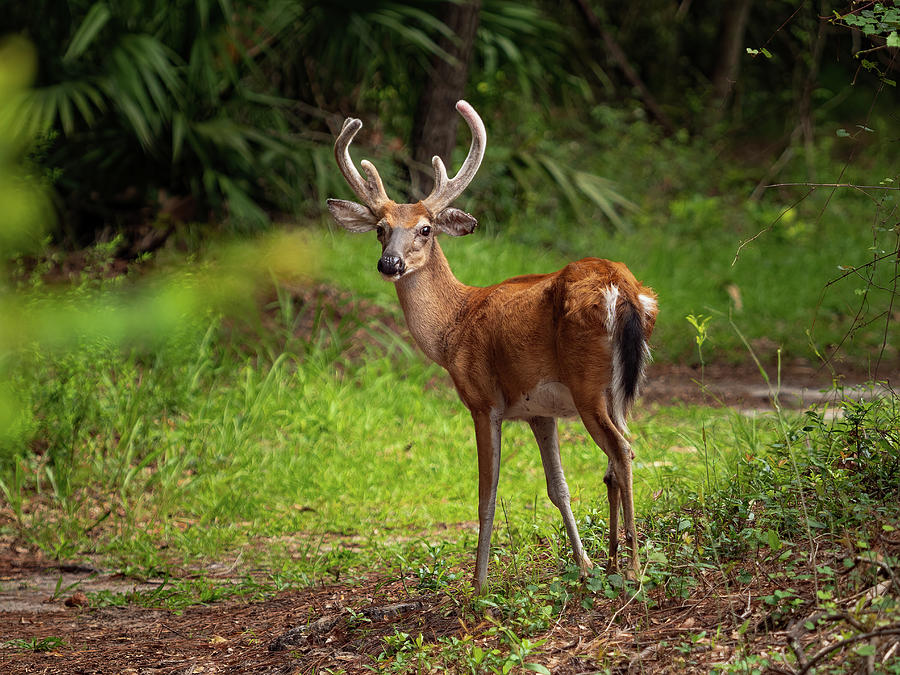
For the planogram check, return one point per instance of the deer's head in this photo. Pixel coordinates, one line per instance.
(406, 231)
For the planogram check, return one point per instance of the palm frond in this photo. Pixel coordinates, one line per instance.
(97, 17)
(531, 169)
(41, 109)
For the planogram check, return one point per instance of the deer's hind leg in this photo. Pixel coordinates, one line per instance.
(619, 484)
(547, 437)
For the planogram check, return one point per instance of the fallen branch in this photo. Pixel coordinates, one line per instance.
(840, 644)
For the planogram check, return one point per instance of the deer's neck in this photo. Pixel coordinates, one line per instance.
(431, 298)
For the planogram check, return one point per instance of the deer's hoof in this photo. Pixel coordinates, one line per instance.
(586, 565)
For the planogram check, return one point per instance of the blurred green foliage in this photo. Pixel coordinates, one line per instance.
(24, 201)
(48, 321)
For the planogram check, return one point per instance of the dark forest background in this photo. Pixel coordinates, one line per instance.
(149, 114)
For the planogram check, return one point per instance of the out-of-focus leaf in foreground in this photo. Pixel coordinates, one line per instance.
(142, 311)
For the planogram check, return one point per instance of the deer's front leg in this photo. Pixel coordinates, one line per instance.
(487, 438)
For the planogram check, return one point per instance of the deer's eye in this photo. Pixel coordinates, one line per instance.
(379, 230)
(425, 231)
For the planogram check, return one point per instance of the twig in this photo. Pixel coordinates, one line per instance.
(634, 595)
(512, 545)
(883, 565)
(236, 561)
(890, 652)
(890, 309)
(797, 648)
(403, 580)
(784, 23)
(179, 633)
(890, 630)
(778, 165)
(644, 654)
(834, 185)
(770, 225)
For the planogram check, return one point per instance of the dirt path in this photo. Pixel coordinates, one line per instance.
(343, 629)
(741, 386)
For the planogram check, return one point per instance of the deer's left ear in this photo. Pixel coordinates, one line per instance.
(352, 216)
(455, 222)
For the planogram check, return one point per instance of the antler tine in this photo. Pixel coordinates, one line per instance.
(445, 191)
(370, 190)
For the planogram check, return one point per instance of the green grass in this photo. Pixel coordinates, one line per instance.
(47, 644)
(216, 437)
(203, 449)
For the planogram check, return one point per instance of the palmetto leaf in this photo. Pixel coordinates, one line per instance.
(601, 191)
(97, 17)
(160, 93)
(574, 185)
(40, 109)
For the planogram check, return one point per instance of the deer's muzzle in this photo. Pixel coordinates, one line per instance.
(391, 265)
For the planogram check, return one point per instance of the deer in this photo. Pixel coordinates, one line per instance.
(537, 347)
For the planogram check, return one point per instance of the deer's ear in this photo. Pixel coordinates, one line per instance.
(455, 222)
(352, 216)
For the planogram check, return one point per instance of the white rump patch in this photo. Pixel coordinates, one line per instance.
(611, 296)
(648, 303)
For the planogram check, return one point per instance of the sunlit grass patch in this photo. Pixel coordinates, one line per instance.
(204, 449)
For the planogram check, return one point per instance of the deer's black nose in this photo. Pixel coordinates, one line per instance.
(389, 265)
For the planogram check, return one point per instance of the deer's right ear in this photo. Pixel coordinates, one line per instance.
(352, 216)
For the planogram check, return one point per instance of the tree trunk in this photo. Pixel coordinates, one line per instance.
(805, 105)
(435, 121)
(731, 40)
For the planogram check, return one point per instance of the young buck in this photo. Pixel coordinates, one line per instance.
(533, 348)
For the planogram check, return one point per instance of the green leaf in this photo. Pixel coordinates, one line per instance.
(178, 132)
(773, 540)
(893, 39)
(537, 668)
(842, 133)
(762, 50)
(657, 556)
(92, 24)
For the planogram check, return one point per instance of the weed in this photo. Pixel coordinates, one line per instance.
(44, 644)
(404, 653)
